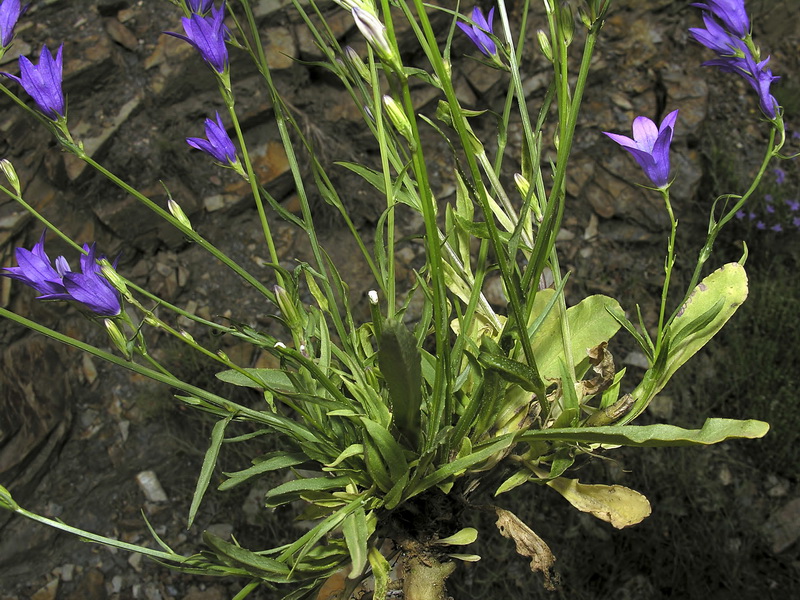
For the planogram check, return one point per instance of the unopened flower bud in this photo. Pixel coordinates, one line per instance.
(567, 23)
(280, 346)
(187, 336)
(177, 212)
(11, 175)
(223, 356)
(524, 188)
(355, 60)
(544, 44)
(291, 314)
(375, 33)
(398, 118)
(523, 185)
(117, 338)
(6, 501)
(373, 297)
(113, 277)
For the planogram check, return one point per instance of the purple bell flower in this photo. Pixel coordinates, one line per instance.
(650, 146)
(734, 55)
(478, 32)
(717, 38)
(43, 82)
(755, 73)
(10, 12)
(88, 288)
(36, 270)
(218, 145)
(208, 35)
(730, 12)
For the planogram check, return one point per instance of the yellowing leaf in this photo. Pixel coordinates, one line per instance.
(460, 538)
(615, 504)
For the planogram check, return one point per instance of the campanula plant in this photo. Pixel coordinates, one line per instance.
(393, 424)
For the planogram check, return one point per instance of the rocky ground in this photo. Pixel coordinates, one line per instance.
(86, 443)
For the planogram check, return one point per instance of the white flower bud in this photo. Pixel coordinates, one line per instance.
(11, 175)
(375, 33)
(177, 212)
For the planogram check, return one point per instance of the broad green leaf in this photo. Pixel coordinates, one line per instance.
(401, 366)
(209, 462)
(356, 535)
(376, 468)
(713, 431)
(466, 557)
(516, 480)
(461, 538)
(292, 490)
(615, 504)
(395, 494)
(461, 464)
(272, 462)
(351, 450)
(590, 324)
(380, 571)
(509, 369)
(707, 309)
(264, 567)
(391, 452)
(271, 379)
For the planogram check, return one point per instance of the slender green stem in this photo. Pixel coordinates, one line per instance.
(187, 231)
(42, 219)
(225, 406)
(380, 134)
(505, 264)
(281, 117)
(668, 265)
(100, 539)
(176, 309)
(714, 226)
(441, 388)
(253, 180)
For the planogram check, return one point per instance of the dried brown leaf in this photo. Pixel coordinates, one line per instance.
(528, 544)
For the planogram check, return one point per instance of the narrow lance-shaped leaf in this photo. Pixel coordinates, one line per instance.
(209, 462)
(401, 365)
(356, 534)
(713, 431)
